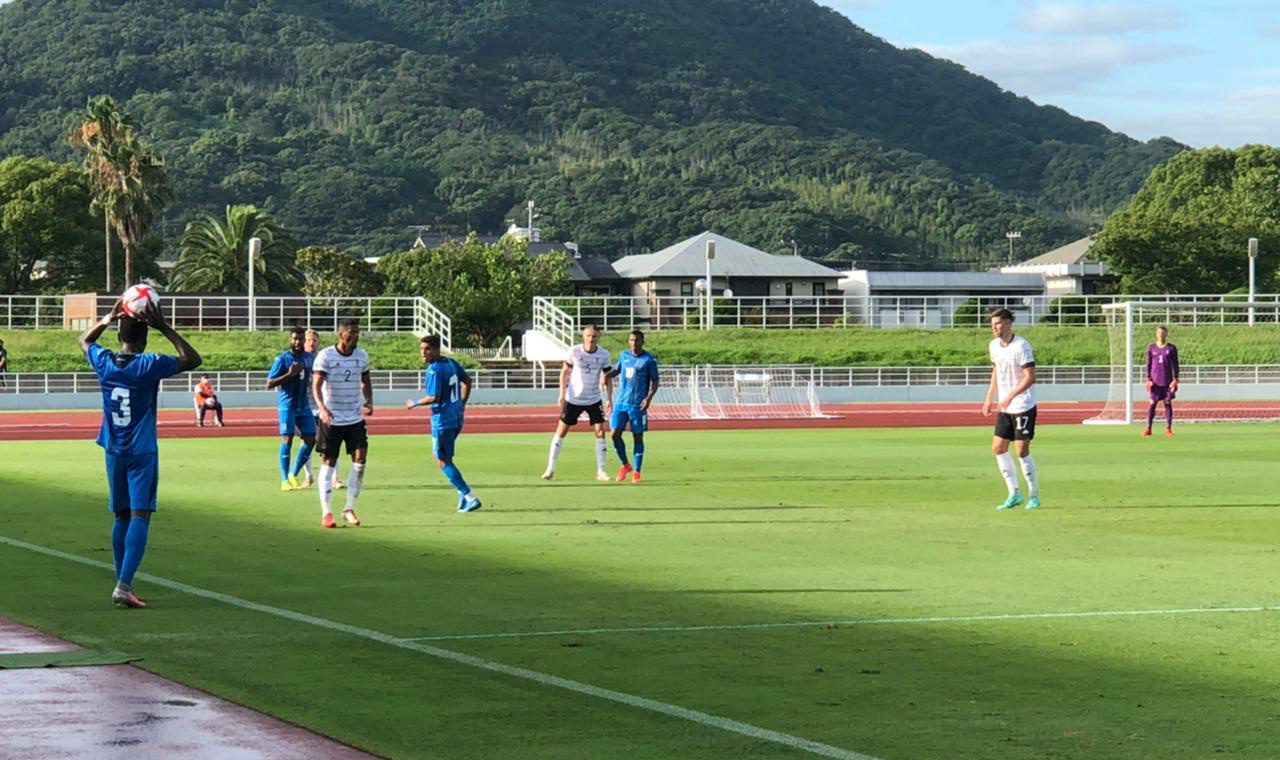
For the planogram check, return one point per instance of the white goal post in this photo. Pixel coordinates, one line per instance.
(1215, 383)
(720, 392)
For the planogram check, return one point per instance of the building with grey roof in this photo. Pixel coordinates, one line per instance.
(1067, 270)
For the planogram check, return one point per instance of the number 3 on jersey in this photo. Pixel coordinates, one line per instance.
(124, 415)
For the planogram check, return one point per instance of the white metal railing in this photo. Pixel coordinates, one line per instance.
(620, 313)
(30, 312)
(535, 377)
(505, 350)
(552, 320)
(428, 320)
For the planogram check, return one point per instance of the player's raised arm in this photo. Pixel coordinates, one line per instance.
(188, 357)
(90, 336)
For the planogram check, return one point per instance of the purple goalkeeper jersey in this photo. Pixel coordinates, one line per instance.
(1162, 364)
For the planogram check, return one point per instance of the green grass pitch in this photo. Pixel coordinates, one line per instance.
(730, 530)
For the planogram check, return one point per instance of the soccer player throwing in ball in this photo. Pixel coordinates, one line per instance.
(448, 387)
(130, 381)
(1013, 398)
(343, 392)
(1162, 379)
(639, 372)
(581, 380)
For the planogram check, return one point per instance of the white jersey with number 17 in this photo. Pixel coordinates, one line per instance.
(342, 393)
(1009, 361)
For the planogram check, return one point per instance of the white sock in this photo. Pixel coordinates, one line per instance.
(334, 476)
(354, 481)
(602, 454)
(326, 489)
(306, 470)
(1005, 463)
(556, 443)
(1029, 472)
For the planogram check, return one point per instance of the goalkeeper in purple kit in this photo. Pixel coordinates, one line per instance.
(1162, 379)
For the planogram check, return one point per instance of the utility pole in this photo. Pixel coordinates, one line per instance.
(1013, 235)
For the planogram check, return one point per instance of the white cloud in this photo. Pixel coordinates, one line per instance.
(1098, 19)
(1054, 67)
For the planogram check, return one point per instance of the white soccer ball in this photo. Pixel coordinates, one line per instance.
(137, 299)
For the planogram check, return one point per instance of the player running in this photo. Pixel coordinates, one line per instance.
(130, 382)
(1162, 379)
(1013, 377)
(639, 371)
(344, 397)
(290, 376)
(581, 379)
(448, 387)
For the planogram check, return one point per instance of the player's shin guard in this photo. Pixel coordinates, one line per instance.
(1005, 463)
(1168, 414)
(556, 444)
(354, 482)
(118, 531)
(1151, 414)
(639, 456)
(620, 446)
(284, 460)
(135, 545)
(1029, 472)
(454, 475)
(602, 455)
(326, 490)
(304, 456)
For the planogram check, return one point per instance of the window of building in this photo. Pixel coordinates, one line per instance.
(686, 288)
(819, 288)
(788, 289)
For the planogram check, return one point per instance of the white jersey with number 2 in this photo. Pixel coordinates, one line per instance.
(584, 379)
(342, 392)
(1009, 361)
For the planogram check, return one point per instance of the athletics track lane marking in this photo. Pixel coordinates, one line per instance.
(662, 708)
(850, 623)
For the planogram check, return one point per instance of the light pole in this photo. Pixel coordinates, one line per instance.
(531, 215)
(255, 251)
(1012, 235)
(711, 254)
(795, 247)
(1253, 259)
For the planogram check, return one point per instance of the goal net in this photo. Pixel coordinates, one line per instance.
(721, 392)
(1228, 352)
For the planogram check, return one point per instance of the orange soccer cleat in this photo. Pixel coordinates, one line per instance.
(127, 600)
(622, 472)
(1146, 432)
(1168, 432)
(328, 522)
(635, 476)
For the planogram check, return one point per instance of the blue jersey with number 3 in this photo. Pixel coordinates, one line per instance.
(130, 384)
(638, 373)
(443, 380)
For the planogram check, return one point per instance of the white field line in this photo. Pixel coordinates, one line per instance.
(662, 708)
(862, 621)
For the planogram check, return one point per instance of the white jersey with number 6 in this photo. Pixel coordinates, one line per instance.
(584, 380)
(342, 393)
(1009, 361)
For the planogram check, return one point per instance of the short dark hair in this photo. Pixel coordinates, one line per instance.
(1162, 327)
(347, 324)
(591, 326)
(638, 333)
(131, 330)
(431, 340)
(999, 312)
(298, 330)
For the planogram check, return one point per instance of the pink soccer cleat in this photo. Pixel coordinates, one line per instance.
(635, 476)
(328, 522)
(622, 472)
(127, 600)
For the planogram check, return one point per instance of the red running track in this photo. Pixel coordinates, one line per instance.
(83, 425)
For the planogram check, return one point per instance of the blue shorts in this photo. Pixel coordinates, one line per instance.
(633, 416)
(302, 421)
(132, 482)
(443, 441)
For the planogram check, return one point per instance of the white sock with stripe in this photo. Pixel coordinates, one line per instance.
(556, 443)
(1010, 475)
(354, 482)
(1029, 472)
(326, 489)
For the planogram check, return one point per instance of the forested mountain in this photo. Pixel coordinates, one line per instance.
(630, 124)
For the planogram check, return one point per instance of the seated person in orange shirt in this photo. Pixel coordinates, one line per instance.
(206, 399)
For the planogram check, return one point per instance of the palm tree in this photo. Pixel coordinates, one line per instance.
(128, 179)
(214, 254)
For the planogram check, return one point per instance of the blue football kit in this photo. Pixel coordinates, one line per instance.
(292, 395)
(443, 381)
(636, 376)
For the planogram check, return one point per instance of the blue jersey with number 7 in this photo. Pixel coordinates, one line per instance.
(130, 384)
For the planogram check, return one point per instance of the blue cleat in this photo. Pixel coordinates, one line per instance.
(1033, 502)
(1014, 500)
(469, 504)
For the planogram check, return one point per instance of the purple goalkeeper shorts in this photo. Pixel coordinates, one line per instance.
(1161, 393)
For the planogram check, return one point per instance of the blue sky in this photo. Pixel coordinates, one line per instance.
(1204, 72)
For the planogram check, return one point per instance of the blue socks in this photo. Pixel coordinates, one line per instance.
(304, 456)
(620, 446)
(455, 477)
(118, 531)
(639, 455)
(135, 544)
(284, 460)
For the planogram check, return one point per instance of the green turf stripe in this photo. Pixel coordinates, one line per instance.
(78, 659)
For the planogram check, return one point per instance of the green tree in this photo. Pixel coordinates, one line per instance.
(330, 273)
(128, 178)
(1187, 229)
(214, 254)
(485, 289)
(44, 215)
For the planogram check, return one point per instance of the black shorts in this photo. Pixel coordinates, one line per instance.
(329, 439)
(1016, 427)
(569, 413)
